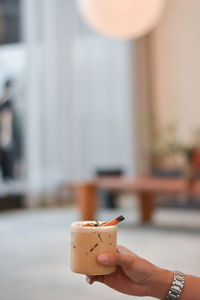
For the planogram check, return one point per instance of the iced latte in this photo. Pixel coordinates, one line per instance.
(87, 242)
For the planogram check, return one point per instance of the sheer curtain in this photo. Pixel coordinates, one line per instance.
(80, 97)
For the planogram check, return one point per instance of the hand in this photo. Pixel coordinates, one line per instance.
(134, 275)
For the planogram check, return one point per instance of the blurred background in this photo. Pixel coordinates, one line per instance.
(76, 105)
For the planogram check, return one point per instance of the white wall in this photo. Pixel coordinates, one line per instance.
(80, 97)
(102, 95)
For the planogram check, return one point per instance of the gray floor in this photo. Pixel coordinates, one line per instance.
(34, 251)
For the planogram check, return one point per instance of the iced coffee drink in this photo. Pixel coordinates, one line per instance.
(88, 240)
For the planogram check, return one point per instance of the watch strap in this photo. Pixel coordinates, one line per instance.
(177, 286)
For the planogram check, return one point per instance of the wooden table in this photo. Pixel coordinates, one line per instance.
(147, 188)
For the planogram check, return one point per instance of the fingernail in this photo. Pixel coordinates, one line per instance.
(89, 280)
(103, 258)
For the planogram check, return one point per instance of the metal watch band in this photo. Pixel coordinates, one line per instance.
(176, 287)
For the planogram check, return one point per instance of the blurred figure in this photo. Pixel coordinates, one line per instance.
(10, 141)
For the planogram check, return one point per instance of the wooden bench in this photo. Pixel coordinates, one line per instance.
(147, 188)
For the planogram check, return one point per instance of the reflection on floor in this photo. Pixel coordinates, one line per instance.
(34, 251)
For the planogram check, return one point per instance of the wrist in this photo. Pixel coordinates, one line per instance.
(160, 283)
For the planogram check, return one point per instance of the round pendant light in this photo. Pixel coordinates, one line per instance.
(125, 19)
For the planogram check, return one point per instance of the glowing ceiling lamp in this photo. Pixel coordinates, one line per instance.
(125, 19)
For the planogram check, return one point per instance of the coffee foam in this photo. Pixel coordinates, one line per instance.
(78, 227)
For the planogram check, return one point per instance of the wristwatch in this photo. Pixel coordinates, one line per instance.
(177, 286)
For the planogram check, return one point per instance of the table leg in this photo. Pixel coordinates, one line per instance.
(147, 206)
(86, 200)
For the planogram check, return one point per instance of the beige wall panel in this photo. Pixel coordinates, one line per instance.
(175, 50)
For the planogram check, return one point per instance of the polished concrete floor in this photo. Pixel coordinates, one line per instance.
(34, 251)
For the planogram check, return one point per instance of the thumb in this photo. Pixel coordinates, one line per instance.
(112, 259)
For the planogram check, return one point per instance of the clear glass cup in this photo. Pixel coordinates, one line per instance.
(87, 243)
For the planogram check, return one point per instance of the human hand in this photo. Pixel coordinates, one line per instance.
(134, 275)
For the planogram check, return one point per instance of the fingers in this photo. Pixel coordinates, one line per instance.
(92, 279)
(123, 250)
(122, 257)
(114, 258)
